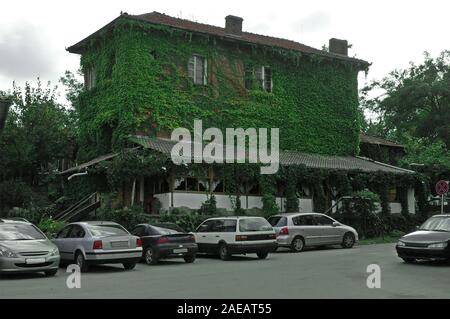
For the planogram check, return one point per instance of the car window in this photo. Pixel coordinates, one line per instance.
(254, 224)
(138, 231)
(64, 233)
(278, 221)
(303, 220)
(205, 227)
(76, 232)
(170, 226)
(163, 231)
(19, 232)
(323, 220)
(107, 230)
(224, 226)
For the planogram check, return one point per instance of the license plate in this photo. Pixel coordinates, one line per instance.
(35, 261)
(180, 251)
(119, 244)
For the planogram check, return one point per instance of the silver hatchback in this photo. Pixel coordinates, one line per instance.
(297, 231)
(24, 249)
(87, 243)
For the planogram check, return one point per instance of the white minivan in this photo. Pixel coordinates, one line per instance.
(229, 236)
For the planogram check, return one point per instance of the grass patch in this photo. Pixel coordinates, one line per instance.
(379, 240)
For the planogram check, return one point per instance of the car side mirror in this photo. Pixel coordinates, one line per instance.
(417, 227)
(336, 224)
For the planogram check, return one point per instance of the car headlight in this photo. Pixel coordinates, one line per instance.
(401, 244)
(6, 253)
(438, 245)
(55, 252)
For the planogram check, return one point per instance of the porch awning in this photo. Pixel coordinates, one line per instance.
(348, 163)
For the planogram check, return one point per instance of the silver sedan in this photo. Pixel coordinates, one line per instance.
(24, 248)
(87, 243)
(297, 231)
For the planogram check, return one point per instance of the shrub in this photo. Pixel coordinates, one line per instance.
(32, 215)
(187, 221)
(50, 226)
(127, 217)
(209, 207)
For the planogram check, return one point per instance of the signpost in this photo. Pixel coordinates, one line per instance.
(441, 190)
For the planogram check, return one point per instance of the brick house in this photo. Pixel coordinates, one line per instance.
(148, 74)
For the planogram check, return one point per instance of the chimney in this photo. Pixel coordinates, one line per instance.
(5, 103)
(338, 46)
(233, 25)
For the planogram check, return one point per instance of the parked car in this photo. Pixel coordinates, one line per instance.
(24, 249)
(99, 242)
(299, 230)
(161, 243)
(430, 241)
(229, 236)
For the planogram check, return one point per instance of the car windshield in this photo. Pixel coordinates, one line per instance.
(437, 224)
(107, 230)
(19, 232)
(254, 224)
(278, 221)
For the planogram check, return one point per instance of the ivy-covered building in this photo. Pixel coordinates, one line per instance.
(146, 75)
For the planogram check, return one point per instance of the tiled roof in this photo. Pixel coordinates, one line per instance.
(252, 38)
(377, 141)
(349, 163)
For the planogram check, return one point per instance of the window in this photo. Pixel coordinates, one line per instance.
(278, 221)
(254, 224)
(206, 226)
(197, 69)
(89, 78)
(138, 231)
(224, 226)
(65, 232)
(263, 75)
(191, 184)
(304, 220)
(19, 232)
(76, 232)
(323, 221)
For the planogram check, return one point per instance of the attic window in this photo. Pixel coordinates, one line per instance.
(197, 69)
(263, 75)
(89, 78)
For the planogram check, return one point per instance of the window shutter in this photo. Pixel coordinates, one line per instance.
(259, 75)
(191, 67)
(199, 71)
(205, 71)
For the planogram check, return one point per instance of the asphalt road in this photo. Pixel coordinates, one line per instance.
(323, 273)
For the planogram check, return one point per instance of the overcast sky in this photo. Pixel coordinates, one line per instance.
(389, 34)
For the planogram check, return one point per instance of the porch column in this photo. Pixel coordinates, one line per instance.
(411, 201)
(141, 191)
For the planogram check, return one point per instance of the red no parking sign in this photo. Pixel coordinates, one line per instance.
(442, 187)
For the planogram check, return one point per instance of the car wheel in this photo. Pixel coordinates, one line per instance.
(348, 241)
(409, 260)
(129, 266)
(223, 252)
(81, 262)
(150, 256)
(51, 273)
(297, 245)
(262, 255)
(189, 259)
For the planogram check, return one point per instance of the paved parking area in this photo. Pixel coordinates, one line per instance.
(323, 273)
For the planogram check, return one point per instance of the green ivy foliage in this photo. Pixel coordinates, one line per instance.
(142, 85)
